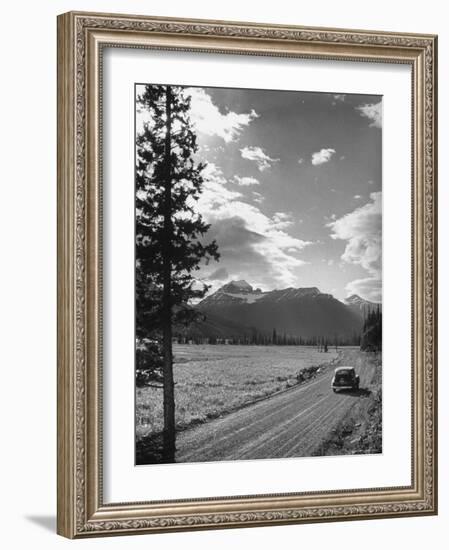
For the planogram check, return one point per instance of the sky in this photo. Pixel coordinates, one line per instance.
(292, 188)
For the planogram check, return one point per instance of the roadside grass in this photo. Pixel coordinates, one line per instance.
(211, 381)
(360, 431)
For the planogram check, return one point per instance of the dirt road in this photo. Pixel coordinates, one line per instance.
(291, 423)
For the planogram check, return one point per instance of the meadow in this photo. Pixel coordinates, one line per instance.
(212, 380)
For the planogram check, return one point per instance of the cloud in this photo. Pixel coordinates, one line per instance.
(320, 157)
(282, 220)
(362, 231)
(300, 160)
(357, 197)
(267, 259)
(369, 288)
(252, 245)
(220, 274)
(209, 120)
(215, 193)
(246, 180)
(206, 116)
(258, 197)
(257, 155)
(372, 111)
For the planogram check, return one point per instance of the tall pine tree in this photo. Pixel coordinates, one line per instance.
(169, 232)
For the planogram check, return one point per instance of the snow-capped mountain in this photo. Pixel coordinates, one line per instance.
(237, 286)
(241, 292)
(297, 311)
(237, 292)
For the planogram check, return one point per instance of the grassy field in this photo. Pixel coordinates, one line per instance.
(214, 380)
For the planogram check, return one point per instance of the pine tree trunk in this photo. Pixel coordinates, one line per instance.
(169, 393)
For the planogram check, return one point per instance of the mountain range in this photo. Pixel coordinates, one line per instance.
(237, 310)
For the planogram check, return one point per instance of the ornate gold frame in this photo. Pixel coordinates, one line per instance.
(81, 37)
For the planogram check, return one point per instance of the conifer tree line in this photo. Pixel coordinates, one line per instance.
(371, 339)
(275, 338)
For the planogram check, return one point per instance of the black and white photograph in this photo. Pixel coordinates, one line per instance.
(258, 274)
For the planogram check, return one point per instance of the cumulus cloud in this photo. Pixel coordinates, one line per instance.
(252, 245)
(362, 231)
(282, 220)
(372, 111)
(267, 258)
(215, 193)
(209, 120)
(238, 245)
(257, 155)
(300, 160)
(320, 157)
(206, 116)
(246, 180)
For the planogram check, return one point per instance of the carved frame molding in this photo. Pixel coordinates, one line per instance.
(81, 37)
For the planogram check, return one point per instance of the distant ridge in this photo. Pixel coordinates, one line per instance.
(304, 312)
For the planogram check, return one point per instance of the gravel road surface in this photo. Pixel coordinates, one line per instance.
(290, 424)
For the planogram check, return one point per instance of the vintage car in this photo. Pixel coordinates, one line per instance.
(345, 378)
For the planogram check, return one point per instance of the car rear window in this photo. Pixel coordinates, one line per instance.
(344, 373)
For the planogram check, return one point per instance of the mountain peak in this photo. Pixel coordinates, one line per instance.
(242, 284)
(236, 286)
(354, 299)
